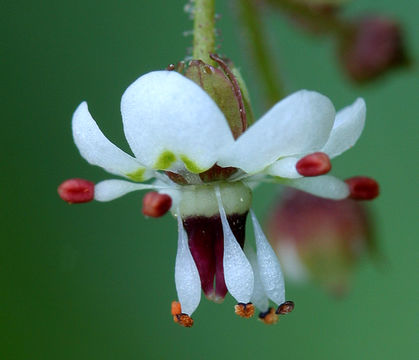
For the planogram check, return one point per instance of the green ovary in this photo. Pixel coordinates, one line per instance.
(200, 200)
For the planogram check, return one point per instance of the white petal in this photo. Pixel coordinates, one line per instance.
(258, 298)
(108, 190)
(238, 273)
(268, 264)
(300, 123)
(326, 186)
(347, 128)
(98, 150)
(168, 117)
(284, 168)
(188, 283)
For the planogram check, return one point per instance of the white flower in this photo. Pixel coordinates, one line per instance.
(177, 132)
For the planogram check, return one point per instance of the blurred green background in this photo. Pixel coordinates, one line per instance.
(95, 281)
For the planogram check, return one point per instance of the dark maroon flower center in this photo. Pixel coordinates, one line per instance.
(206, 243)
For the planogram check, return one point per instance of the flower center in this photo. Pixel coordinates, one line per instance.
(200, 200)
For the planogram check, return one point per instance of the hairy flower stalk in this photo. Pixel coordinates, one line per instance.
(204, 30)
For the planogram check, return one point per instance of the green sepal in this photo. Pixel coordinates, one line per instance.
(217, 85)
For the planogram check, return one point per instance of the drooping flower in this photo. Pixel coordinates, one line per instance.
(181, 138)
(371, 47)
(319, 240)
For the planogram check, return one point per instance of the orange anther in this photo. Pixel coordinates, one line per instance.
(269, 317)
(176, 309)
(245, 310)
(183, 319)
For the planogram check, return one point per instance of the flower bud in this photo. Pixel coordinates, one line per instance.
(225, 86)
(155, 204)
(373, 46)
(314, 164)
(76, 191)
(319, 240)
(363, 188)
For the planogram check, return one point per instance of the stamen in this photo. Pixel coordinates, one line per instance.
(155, 204)
(76, 191)
(188, 283)
(268, 264)
(269, 317)
(238, 272)
(314, 164)
(184, 320)
(285, 308)
(363, 188)
(245, 310)
(179, 317)
(176, 308)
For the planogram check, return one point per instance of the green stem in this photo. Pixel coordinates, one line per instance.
(204, 30)
(256, 39)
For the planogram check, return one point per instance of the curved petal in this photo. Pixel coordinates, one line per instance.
(301, 123)
(259, 298)
(108, 190)
(188, 282)
(326, 186)
(268, 264)
(238, 273)
(167, 118)
(347, 128)
(98, 150)
(284, 168)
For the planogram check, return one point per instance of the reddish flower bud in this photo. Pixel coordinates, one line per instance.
(363, 188)
(76, 191)
(314, 164)
(319, 240)
(155, 204)
(373, 46)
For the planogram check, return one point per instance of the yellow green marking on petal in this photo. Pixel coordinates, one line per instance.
(191, 165)
(165, 159)
(137, 175)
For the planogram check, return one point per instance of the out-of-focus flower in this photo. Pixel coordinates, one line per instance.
(207, 162)
(373, 46)
(319, 240)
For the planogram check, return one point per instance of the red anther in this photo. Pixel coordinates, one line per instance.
(76, 191)
(314, 164)
(155, 204)
(363, 188)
